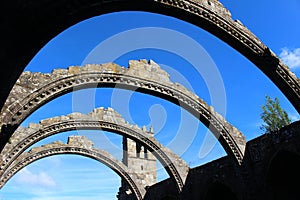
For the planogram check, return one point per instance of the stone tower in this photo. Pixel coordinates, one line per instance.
(141, 161)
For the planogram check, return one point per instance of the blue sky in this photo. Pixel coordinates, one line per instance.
(276, 23)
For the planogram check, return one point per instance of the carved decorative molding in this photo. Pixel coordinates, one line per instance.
(76, 145)
(105, 119)
(243, 40)
(33, 90)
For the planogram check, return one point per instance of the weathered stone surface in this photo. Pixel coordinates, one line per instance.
(80, 141)
(147, 76)
(252, 180)
(107, 119)
(214, 6)
(208, 14)
(76, 145)
(141, 161)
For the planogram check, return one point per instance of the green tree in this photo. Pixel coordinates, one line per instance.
(273, 115)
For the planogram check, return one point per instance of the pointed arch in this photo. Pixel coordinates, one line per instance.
(98, 119)
(44, 20)
(87, 150)
(33, 90)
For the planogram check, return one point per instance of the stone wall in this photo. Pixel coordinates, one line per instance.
(252, 180)
(143, 162)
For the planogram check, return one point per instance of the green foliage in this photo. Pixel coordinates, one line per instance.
(273, 115)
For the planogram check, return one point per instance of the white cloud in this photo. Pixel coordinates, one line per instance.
(39, 179)
(290, 57)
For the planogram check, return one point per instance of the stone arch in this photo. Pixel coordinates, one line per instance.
(282, 175)
(78, 145)
(104, 119)
(45, 20)
(33, 90)
(218, 190)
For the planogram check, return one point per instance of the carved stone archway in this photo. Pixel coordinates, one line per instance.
(40, 21)
(78, 145)
(33, 90)
(104, 119)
